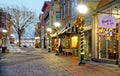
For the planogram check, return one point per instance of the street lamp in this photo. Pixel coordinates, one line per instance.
(4, 47)
(48, 34)
(82, 9)
(11, 40)
(37, 42)
(4, 31)
(57, 25)
(12, 35)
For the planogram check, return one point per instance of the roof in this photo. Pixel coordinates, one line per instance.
(103, 2)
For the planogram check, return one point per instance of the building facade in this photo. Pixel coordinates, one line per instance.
(42, 30)
(101, 43)
(46, 12)
(6, 28)
(68, 30)
(37, 33)
(55, 17)
(105, 32)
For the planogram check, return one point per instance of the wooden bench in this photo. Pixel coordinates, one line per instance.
(67, 52)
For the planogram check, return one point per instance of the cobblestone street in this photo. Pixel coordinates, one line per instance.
(38, 62)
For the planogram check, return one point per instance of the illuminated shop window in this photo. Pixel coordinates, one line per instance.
(74, 41)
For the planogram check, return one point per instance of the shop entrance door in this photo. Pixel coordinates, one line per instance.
(103, 47)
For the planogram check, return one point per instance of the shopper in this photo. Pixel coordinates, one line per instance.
(60, 49)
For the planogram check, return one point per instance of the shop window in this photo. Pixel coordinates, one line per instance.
(66, 42)
(103, 47)
(74, 41)
(57, 16)
(108, 43)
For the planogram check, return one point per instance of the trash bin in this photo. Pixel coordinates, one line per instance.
(4, 49)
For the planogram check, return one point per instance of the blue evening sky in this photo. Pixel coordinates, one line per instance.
(35, 5)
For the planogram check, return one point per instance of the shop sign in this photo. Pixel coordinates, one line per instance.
(107, 22)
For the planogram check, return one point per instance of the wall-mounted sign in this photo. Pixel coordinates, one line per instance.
(107, 22)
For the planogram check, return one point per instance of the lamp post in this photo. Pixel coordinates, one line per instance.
(4, 42)
(37, 42)
(5, 36)
(11, 40)
(57, 25)
(82, 9)
(48, 35)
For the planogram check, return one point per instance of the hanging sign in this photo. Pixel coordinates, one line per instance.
(107, 22)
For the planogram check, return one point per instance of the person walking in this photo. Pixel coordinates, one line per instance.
(60, 49)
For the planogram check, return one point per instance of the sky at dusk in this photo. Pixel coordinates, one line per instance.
(35, 5)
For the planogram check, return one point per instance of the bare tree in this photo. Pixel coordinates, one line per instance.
(22, 17)
(29, 32)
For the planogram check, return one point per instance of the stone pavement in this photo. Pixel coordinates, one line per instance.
(14, 48)
(38, 62)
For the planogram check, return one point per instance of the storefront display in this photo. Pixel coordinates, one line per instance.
(108, 39)
(74, 42)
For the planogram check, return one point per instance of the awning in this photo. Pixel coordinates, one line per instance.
(72, 23)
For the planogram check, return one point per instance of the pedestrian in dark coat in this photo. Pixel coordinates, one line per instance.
(60, 49)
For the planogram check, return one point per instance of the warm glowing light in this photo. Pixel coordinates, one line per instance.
(82, 8)
(12, 35)
(4, 31)
(49, 29)
(74, 42)
(57, 24)
(37, 37)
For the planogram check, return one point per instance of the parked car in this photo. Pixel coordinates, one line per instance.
(25, 45)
